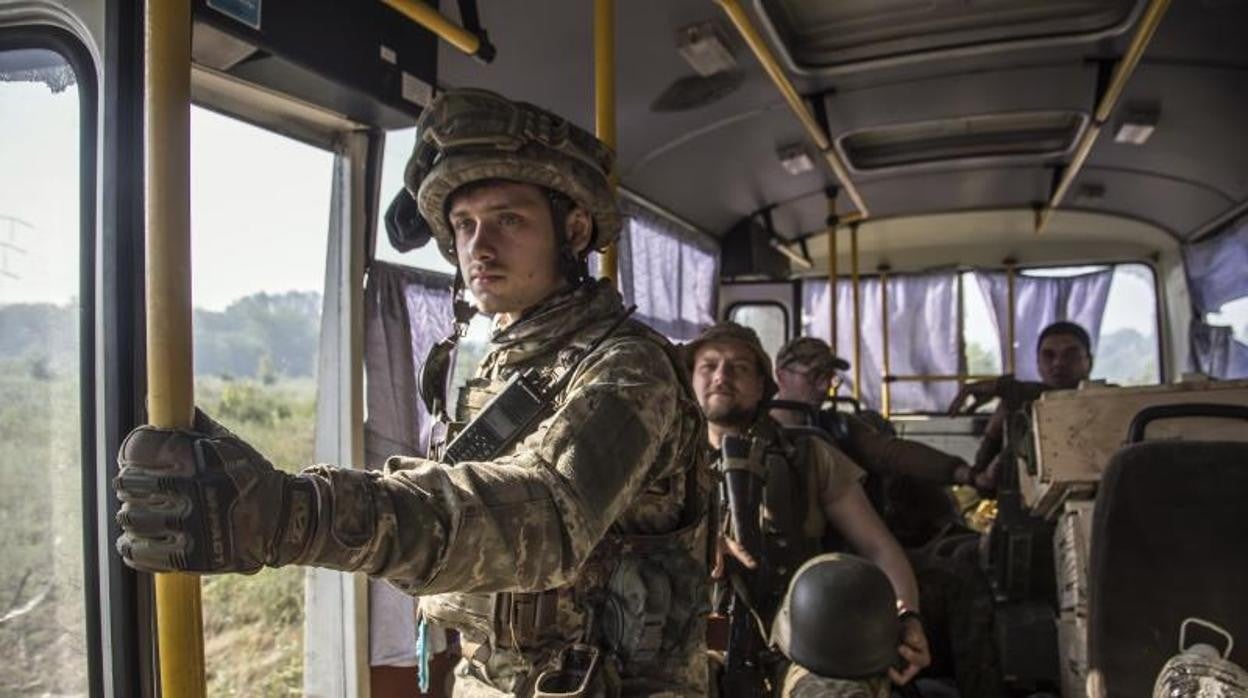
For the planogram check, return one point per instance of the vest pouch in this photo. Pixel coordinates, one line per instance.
(639, 599)
(653, 599)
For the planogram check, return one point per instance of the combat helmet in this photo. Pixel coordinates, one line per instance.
(839, 618)
(469, 135)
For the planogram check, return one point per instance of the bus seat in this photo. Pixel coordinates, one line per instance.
(1167, 544)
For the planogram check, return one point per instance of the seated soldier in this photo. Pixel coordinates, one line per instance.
(809, 485)
(1063, 360)
(920, 514)
(805, 367)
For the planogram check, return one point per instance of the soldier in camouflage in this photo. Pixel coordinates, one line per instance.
(584, 543)
(810, 484)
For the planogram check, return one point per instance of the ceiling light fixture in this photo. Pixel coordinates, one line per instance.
(795, 160)
(1137, 126)
(704, 49)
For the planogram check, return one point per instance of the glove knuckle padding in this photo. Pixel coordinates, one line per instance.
(166, 516)
(164, 452)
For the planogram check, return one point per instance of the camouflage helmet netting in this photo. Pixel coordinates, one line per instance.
(471, 135)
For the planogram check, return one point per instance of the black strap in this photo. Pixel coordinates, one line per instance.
(469, 16)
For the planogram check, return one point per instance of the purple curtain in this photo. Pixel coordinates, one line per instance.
(406, 311)
(669, 272)
(1216, 275)
(1040, 301)
(817, 319)
(923, 339)
(923, 334)
(1216, 352)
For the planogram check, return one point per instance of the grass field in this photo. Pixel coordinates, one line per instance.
(253, 625)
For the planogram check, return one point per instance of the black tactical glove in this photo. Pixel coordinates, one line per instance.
(205, 501)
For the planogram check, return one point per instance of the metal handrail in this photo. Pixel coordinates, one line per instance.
(170, 382)
(604, 106)
(1113, 92)
(758, 45)
(475, 45)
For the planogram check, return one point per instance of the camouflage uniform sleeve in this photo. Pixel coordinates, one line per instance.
(525, 522)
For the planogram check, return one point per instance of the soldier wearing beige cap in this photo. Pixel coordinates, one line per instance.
(805, 367)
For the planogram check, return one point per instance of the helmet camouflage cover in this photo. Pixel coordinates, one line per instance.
(469, 135)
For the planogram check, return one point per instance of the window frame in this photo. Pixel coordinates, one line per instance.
(75, 53)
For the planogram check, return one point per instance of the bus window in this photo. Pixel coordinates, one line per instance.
(42, 615)
(979, 333)
(1117, 304)
(769, 320)
(398, 149)
(259, 236)
(1127, 351)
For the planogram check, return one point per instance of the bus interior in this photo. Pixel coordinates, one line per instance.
(925, 185)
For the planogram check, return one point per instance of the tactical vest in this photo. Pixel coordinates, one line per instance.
(636, 598)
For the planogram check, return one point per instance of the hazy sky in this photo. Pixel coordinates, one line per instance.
(38, 175)
(260, 210)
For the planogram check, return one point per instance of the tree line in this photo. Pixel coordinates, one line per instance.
(264, 336)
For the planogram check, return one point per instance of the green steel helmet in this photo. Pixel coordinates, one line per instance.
(839, 618)
(729, 331)
(469, 135)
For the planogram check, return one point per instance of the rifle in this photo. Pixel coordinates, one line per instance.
(744, 674)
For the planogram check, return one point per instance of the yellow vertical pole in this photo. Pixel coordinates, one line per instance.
(832, 271)
(855, 281)
(1011, 354)
(963, 369)
(886, 393)
(170, 398)
(604, 105)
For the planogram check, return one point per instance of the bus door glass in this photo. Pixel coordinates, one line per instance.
(43, 640)
(260, 211)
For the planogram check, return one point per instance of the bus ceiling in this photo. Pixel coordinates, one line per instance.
(938, 111)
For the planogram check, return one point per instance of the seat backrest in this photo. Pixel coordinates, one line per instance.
(1169, 542)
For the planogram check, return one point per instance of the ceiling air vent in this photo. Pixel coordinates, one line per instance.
(1025, 135)
(834, 36)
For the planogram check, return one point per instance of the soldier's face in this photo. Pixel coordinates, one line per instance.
(506, 246)
(800, 382)
(1062, 361)
(727, 382)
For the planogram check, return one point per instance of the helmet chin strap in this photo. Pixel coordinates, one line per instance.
(435, 371)
(573, 268)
